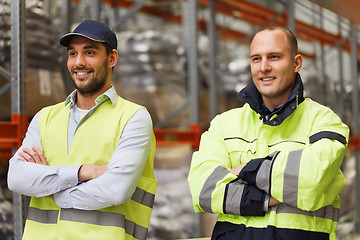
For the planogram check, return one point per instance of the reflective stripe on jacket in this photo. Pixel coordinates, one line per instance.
(302, 170)
(130, 220)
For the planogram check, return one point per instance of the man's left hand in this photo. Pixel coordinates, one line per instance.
(34, 155)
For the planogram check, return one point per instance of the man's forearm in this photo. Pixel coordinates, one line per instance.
(91, 171)
(37, 180)
(272, 201)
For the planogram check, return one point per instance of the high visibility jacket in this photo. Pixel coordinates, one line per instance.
(301, 147)
(94, 143)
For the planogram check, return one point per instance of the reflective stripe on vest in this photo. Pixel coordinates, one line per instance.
(104, 219)
(143, 197)
(50, 216)
(92, 217)
(97, 217)
(43, 216)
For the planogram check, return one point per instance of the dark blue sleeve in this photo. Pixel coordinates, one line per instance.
(249, 172)
(252, 201)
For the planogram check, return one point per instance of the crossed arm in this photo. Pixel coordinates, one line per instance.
(236, 170)
(86, 171)
(215, 186)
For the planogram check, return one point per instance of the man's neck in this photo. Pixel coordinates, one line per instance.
(87, 101)
(271, 105)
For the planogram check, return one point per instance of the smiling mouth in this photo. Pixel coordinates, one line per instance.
(82, 72)
(265, 79)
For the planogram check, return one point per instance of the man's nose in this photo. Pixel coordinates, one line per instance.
(80, 60)
(265, 66)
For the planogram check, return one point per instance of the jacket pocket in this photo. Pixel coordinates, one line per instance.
(240, 150)
(289, 145)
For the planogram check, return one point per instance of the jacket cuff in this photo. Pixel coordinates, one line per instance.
(257, 172)
(249, 172)
(69, 176)
(243, 199)
(63, 198)
(252, 201)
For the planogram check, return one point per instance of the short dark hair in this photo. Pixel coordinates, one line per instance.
(107, 48)
(290, 36)
(108, 51)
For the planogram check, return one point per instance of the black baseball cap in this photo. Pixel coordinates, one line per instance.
(93, 30)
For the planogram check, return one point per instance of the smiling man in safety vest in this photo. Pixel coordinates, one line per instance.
(88, 162)
(271, 169)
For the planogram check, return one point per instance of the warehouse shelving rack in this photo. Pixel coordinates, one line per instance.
(12, 133)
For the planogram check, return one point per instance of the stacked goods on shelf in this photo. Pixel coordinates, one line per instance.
(147, 60)
(5, 60)
(44, 84)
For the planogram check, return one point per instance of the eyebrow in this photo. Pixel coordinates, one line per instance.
(270, 53)
(86, 47)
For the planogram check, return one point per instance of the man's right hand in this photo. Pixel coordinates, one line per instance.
(91, 171)
(273, 202)
(236, 170)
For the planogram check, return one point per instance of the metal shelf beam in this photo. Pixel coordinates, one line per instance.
(18, 90)
(258, 15)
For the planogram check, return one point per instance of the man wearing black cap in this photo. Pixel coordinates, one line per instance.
(87, 162)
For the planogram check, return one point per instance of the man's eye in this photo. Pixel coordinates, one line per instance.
(274, 57)
(255, 59)
(90, 52)
(72, 53)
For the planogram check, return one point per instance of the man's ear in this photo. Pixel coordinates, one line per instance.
(114, 56)
(298, 60)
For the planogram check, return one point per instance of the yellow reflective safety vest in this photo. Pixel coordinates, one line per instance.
(130, 220)
(306, 143)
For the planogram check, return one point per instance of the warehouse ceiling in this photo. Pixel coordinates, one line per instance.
(345, 8)
(165, 5)
(248, 11)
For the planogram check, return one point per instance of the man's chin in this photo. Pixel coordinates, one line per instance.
(88, 90)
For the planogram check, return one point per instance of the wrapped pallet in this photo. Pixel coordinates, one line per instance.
(173, 216)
